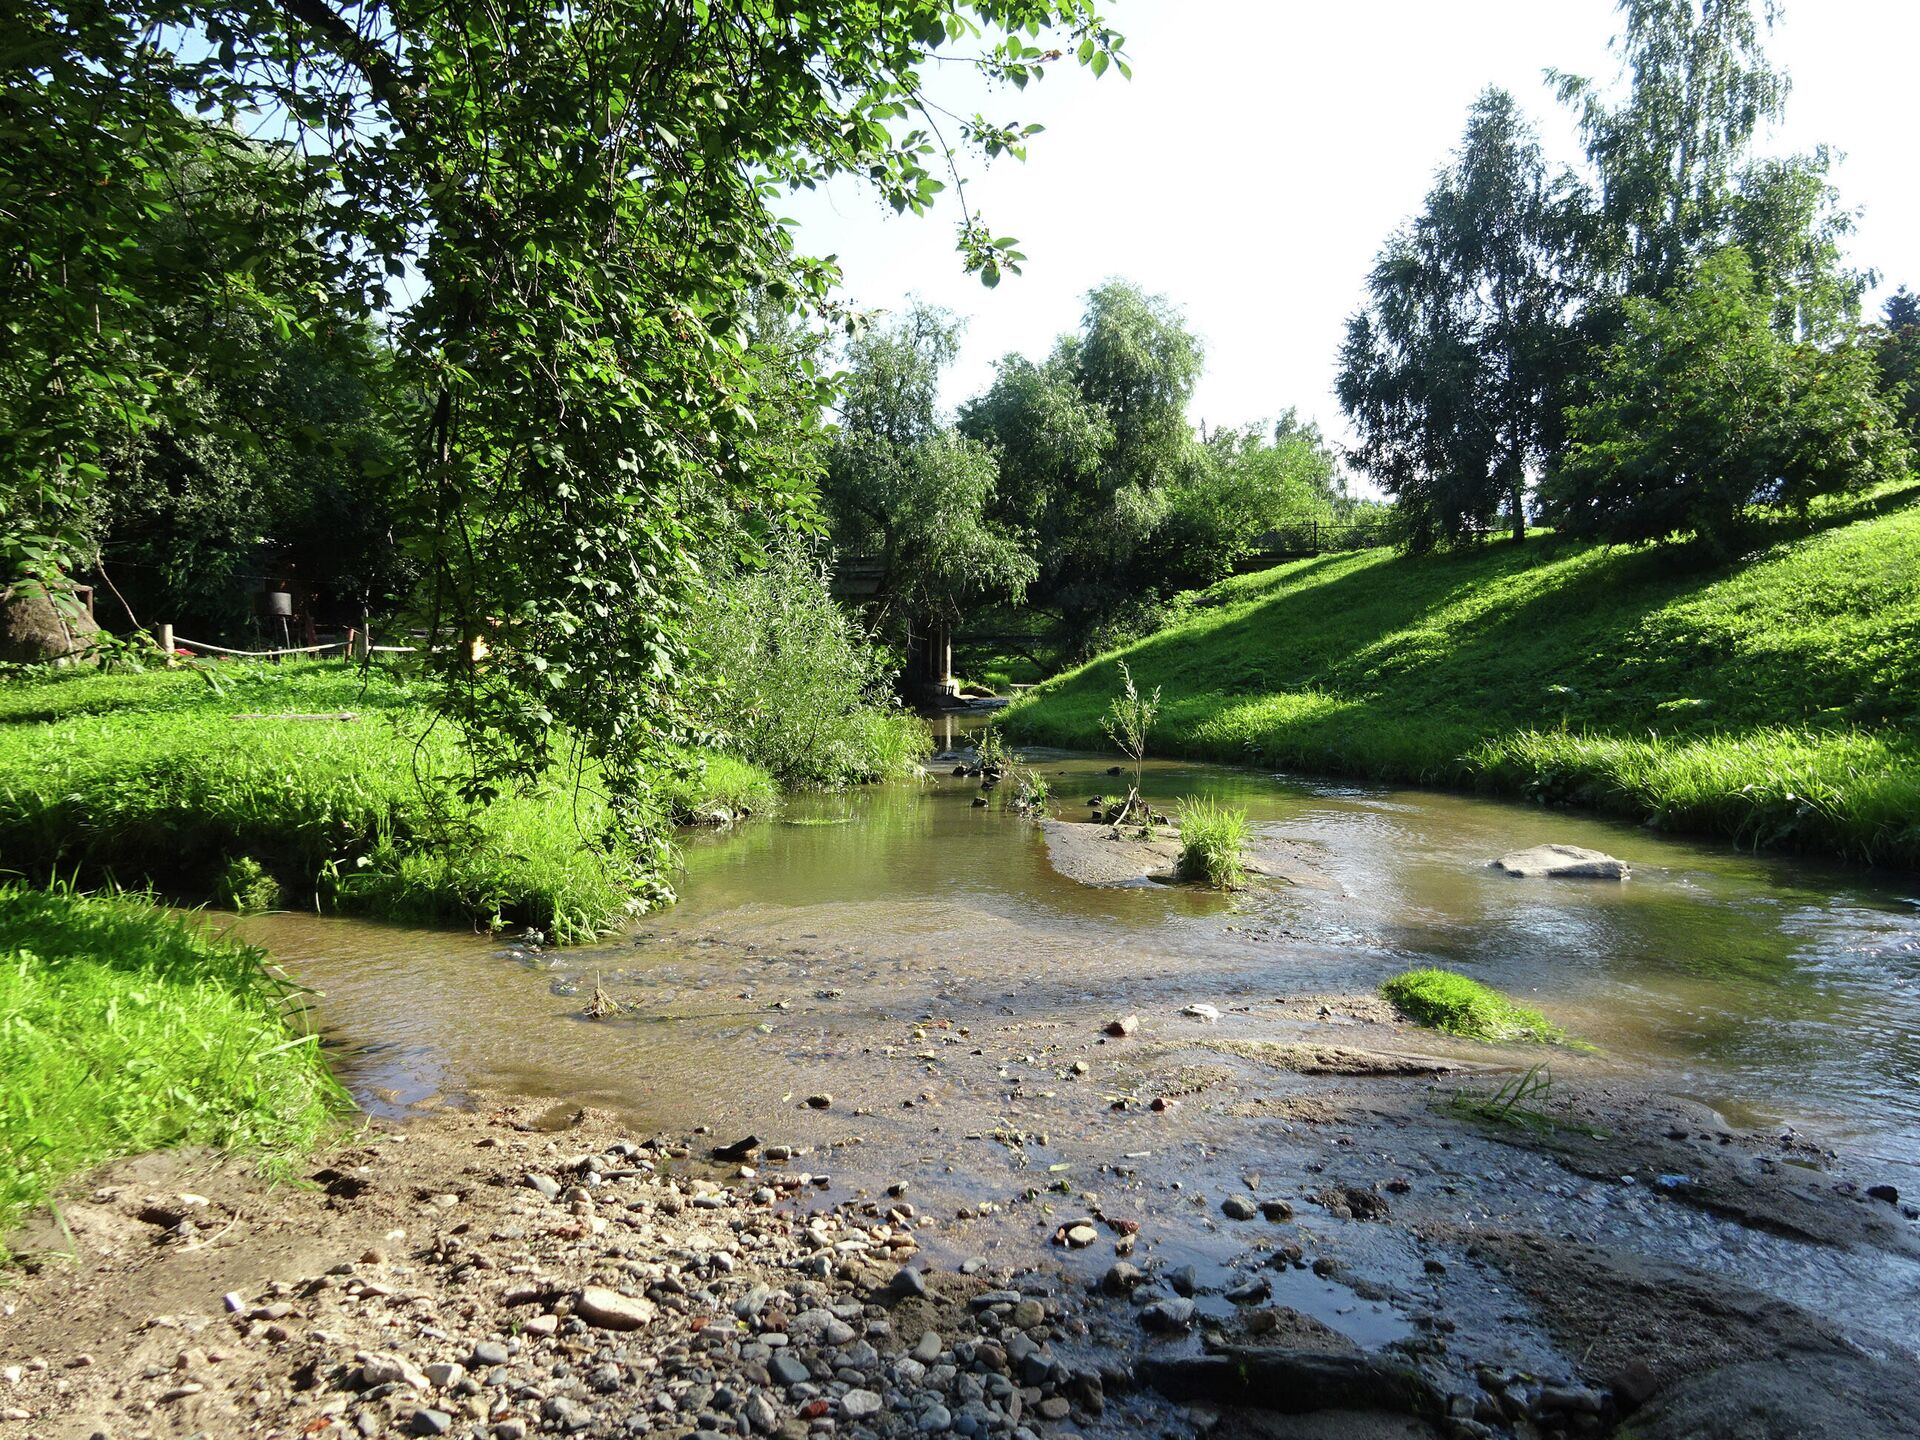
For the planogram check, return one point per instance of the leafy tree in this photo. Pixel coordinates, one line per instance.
(1451, 371)
(1897, 353)
(1701, 410)
(583, 199)
(1238, 485)
(1675, 177)
(911, 494)
(1092, 443)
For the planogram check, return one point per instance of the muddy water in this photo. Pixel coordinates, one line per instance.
(919, 960)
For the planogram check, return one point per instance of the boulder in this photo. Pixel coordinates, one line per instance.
(1574, 862)
(33, 629)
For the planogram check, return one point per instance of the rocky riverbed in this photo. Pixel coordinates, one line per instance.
(520, 1270)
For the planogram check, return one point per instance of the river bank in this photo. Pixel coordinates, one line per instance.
(1774, 704)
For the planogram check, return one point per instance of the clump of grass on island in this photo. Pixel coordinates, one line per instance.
(126, 1031)
(1461, 1006)
(1213, 838)
(1775, 703)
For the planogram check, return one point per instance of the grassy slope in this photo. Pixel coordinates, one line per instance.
(152, 778)
(1777, 704)
(124, 1030)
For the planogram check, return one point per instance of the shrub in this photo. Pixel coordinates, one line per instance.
(246, 886)
(1212, 837)
(796, 687)
(1460, 1006)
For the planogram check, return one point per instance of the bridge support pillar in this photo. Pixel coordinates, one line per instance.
(938, 661)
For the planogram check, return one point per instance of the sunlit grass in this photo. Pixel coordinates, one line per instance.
(121, 1031)
(1776, 703)
(359, 815)
(1462, 1006)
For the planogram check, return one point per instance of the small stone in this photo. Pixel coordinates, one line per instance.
(1276, 1210)
(1054, 1407)
(788, 1370)
(1185, 1280)
(1238, 1207)
(908, 1281)
(1888, 1193)
(928, 1350)
(1167, 1316)
(509, 1430)
(822, 1101)
(1081, 1236)
(431, 1422)
(935, 1419)
(1123, 1025)
(1122, 1278)
(547, 1189)
(541, 1326)
(391, 1370)
(487, 1354)
(610, 1310)
(1207, 1013)
(568, 1414)
(860, 1404)
(1027, 1314)
(445, 1374)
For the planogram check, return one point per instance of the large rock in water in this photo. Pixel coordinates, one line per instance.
(34, 630)
(1563, 861)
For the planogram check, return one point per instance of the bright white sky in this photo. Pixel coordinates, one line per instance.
(1264, 149)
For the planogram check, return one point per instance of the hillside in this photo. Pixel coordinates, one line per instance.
(1776, 703)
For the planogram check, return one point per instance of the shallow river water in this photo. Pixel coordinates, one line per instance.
(921, 961)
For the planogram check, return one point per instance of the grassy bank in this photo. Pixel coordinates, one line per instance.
(160, 778)
(125, 1031)
(1776, 703)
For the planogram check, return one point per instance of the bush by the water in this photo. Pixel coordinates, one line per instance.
(805, 694)
(1212, 836)
(1776, 702)
(125, 1030)
(1461, 1006)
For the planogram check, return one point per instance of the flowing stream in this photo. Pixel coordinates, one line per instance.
(919, 960)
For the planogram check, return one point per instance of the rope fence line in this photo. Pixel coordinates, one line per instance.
(353, 645)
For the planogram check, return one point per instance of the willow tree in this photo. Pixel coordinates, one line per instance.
(562, 211)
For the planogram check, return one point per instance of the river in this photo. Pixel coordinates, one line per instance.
(919, 960)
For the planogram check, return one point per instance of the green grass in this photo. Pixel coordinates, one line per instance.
(1212, 837)
(1776, 703)
(156, 779)
(1460, 1006)
(122, 1030)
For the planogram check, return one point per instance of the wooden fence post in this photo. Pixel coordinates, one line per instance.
(166, 644)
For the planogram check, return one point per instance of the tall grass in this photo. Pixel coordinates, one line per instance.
(121, 1030)
(1212, 837)
(1776, 703)
(360, 815)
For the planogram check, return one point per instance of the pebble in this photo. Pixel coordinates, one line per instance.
(431, 1422)
(822, 1101)
(1123, 1025)
(860, 1404)
(610, 1310)
(1167, 1316)
(1238, 1207)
